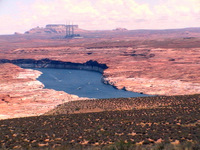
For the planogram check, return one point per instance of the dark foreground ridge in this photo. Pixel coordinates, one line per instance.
(163, 119)
(48, 63)
(113, 104)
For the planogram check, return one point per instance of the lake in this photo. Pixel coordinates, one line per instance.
(81, 82)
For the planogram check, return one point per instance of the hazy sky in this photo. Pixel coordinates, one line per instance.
(21, 15)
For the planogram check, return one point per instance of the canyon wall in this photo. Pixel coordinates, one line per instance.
(47, 63)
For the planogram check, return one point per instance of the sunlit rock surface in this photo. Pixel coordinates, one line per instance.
(22, 95)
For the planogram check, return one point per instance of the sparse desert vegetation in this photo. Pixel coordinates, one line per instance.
(160, 127)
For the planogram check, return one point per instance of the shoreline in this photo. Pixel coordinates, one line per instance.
(148, 86)
(22, 95)
(48, 63)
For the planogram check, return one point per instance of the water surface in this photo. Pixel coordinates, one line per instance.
(80, 82)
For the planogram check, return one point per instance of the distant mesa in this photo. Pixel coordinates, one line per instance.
(59, 26)
(120, 29)
(51, 29)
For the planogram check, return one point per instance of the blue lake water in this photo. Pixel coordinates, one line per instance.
(80, 82)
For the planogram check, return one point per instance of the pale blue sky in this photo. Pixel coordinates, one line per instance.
(21, 15)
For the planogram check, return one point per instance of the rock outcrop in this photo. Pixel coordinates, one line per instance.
(22, 95)
(120, 29)
(47, 63)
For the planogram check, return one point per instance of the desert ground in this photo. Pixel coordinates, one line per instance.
(129, 124)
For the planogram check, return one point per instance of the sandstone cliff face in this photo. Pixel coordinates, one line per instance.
(22, 95)
(47, 63)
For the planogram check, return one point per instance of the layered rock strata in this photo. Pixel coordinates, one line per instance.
(47, 63)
